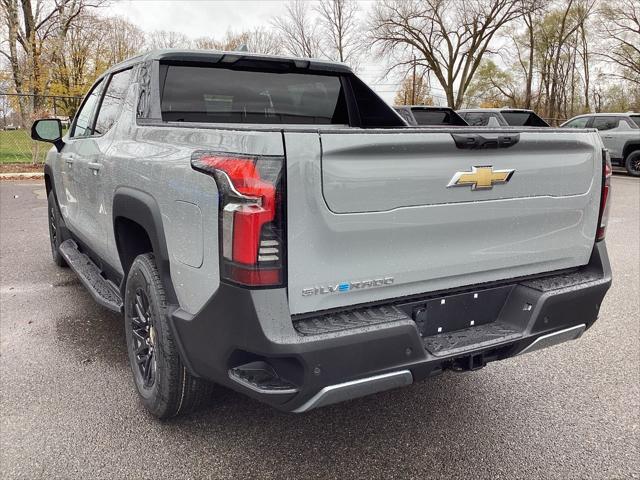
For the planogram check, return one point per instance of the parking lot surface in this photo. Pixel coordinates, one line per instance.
(69, 410)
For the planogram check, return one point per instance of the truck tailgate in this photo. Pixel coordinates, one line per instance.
(374, 215)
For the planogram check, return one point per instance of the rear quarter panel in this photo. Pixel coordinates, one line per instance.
(157, 160)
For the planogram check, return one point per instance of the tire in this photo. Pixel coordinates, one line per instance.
(56, 224)
(632, 163)
(165, 386)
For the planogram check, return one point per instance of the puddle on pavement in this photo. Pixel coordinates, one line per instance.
(93, 338)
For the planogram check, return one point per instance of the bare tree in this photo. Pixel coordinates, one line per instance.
(262, 40)
(414, 91)
(532, 12)
(30, 25)
(167, 39)
(621, 25)
(122, 39)
(91, 45)
(450, 36)
(299, 31)
(257, 40)
(556, 51)
(340, 28)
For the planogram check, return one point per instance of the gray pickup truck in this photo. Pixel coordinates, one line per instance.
(271, 225)
(620, 133)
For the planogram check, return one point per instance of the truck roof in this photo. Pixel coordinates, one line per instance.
(501, 109)
(231, 58)
(606, 114)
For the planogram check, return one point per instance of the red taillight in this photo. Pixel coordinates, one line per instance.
(251, 215)
(605, 195)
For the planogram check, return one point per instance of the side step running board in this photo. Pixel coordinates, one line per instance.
(103, 291)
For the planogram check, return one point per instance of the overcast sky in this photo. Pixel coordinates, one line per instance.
(197, 18)
(213, 18)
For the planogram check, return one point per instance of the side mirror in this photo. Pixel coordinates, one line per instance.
(48, 130)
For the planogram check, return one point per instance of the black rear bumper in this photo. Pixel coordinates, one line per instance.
(347, 359)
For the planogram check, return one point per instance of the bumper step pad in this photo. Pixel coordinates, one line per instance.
(362, 317)
(472, 338)
(103, 291)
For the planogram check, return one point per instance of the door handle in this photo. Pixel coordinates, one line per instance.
(68, 159)
(95, 167)
(608, 136)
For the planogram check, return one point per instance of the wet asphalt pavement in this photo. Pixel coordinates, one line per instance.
(68, 407)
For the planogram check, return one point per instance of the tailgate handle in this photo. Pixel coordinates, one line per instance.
(474, 141)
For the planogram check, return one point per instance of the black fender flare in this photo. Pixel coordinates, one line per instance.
(141, 208)
(50, 184)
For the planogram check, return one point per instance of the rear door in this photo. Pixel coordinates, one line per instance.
(97, 186)
(614, 132)
(375, 215)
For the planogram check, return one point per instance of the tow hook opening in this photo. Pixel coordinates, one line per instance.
(469, 363)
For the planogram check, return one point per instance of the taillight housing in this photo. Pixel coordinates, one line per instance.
(605, 196)
(252, 216)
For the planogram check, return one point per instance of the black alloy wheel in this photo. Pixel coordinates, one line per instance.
(165, 386)
(632, 164)
(144, 338)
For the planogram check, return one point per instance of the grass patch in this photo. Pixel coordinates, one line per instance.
(16, 146)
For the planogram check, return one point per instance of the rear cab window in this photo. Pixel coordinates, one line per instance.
(206, 94)
(437, 117)
(481, 119)
(523, 119)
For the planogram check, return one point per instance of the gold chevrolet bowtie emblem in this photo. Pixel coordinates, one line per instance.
(480, 178)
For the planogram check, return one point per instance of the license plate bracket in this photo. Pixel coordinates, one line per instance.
(459, 311)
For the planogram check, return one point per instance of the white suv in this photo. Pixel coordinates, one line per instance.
(620, 133)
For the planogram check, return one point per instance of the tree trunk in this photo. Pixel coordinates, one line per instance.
(585, 64)
(527, 97)
(11, 9)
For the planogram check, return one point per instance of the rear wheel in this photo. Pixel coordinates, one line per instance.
(55, 230)
(165, 387)
(632, 163)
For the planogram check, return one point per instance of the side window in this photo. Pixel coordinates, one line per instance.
(112, 101)
(82, 126)
(626, 123)
(605, 123)
(578, 123)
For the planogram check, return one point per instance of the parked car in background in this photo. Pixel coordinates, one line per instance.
(502, 117)
(417, 115)
(620, 133)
